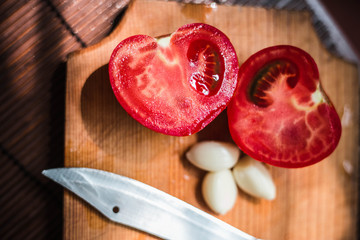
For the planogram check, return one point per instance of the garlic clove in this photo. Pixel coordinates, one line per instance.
(253, 178)
(213, 155)
(219, 191)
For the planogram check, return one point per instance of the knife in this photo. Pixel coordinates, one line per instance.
(140, 206)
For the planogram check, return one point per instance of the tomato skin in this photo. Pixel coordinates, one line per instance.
(177, 87)
(284, 123)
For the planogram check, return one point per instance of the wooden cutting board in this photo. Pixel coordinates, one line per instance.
(317, 202)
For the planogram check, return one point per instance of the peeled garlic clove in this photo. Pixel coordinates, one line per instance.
(213, 155)
(219, 191)
(253, 178)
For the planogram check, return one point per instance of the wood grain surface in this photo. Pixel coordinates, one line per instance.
(36, 36)
(317, 202)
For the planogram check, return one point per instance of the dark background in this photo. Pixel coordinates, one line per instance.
(35, 38)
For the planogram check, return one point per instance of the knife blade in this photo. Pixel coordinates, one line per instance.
(140, 206)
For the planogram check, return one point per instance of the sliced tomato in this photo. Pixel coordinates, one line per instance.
(175, 84)
(280, 114)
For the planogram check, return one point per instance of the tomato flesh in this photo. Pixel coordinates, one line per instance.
(177, 84)
(279, 113)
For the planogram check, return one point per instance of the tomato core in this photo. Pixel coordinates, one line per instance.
(270, 76)
(204, 57)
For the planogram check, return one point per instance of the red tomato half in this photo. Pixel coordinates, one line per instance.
(280, 114)
(175, 85)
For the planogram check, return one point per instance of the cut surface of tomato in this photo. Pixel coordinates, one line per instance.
(175, 84)
(279, 113)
